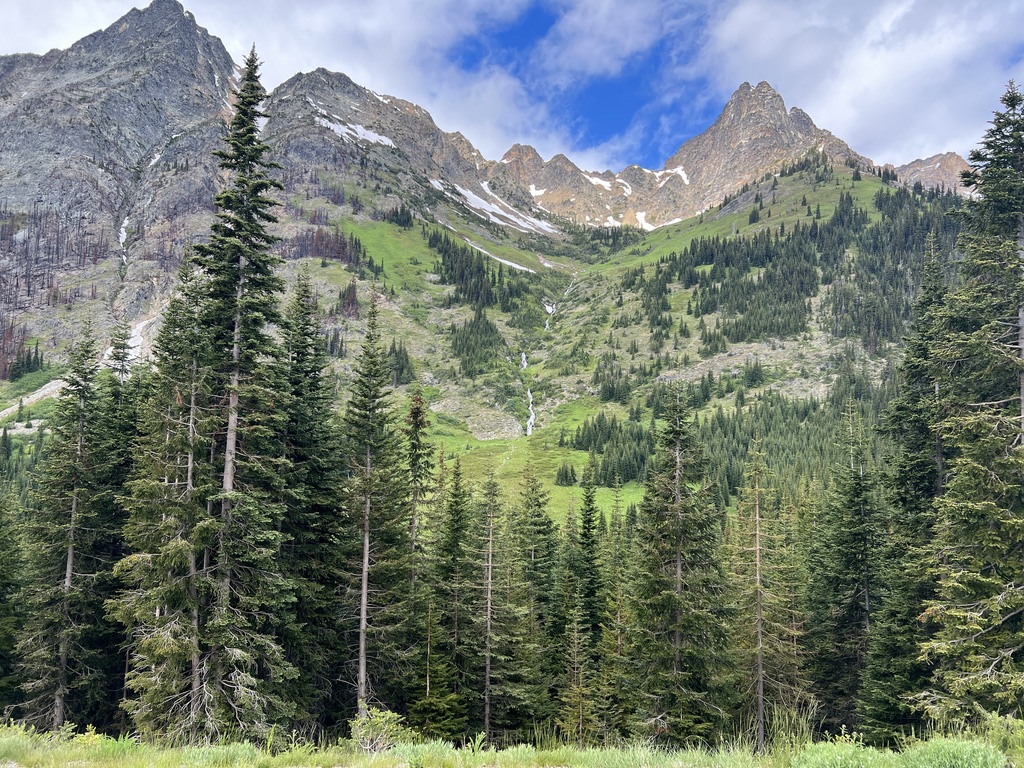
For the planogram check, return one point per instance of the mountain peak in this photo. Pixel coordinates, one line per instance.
(523, 156)
(942, 170)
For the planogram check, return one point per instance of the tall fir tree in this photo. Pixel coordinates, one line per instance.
(517, 690)
(977, 611)
(69, 662)
(377, 500)
(588, 579)
(11, 614)
(895, 672)
(167, 575)
(773, 687)
(207, 596)
(844, 583)
(434, 707)
(455, 574)
(536, 543)
(680, 631)
(616, 665)
(316, 542)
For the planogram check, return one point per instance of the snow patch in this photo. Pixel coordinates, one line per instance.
(506, 262)
(536, 192)
(122, 236)
(598, 182)
(641, 220)
(354, 132)
(668, 173)
(503, 213)
(627, 189)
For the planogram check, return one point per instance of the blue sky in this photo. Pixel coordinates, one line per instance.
(615, 82)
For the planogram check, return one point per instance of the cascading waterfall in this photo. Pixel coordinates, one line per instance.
(533, 416)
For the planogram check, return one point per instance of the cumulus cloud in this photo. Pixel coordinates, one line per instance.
(596, 38)
(897, 80)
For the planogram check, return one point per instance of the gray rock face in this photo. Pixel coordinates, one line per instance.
(106, 159)
(753, 136)
(937, 171)
(318, 115)
(87, 129)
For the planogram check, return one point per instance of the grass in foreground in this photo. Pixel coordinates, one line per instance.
(24, 748)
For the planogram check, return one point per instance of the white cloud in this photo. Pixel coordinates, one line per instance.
(597, 38)
(897, 80)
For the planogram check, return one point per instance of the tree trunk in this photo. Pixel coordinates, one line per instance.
(759, 618)
(488, 617)
(364, 593)
(1020, 329)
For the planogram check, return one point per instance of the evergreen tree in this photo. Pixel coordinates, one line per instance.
(979, 604)
(69, 662)
(616, 670)
(536, 545)
(895, 673)
(207, 597)
(378, 502)
(241, 305)
(588, 576)
(844, 583)
(11, 615)
(772, 683)
(435, 708)
(517, 688)
(168, 576)
(439, 711)
(455, 579)
(577, 717)
(316, 543)
(418, 457)
(680, 631)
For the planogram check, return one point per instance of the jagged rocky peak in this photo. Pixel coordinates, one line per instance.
(942, 170)
(316, 115)
(755, 120)
(753, 103)
(148, 37)
(523, 157)
(126, 109)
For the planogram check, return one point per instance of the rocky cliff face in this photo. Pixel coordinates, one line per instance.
(105, 152)
(106, 159)
(99, 128)
(937, 171)
(318, 115)
(754, 135)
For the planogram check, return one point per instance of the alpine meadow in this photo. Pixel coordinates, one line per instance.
(327, 441)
